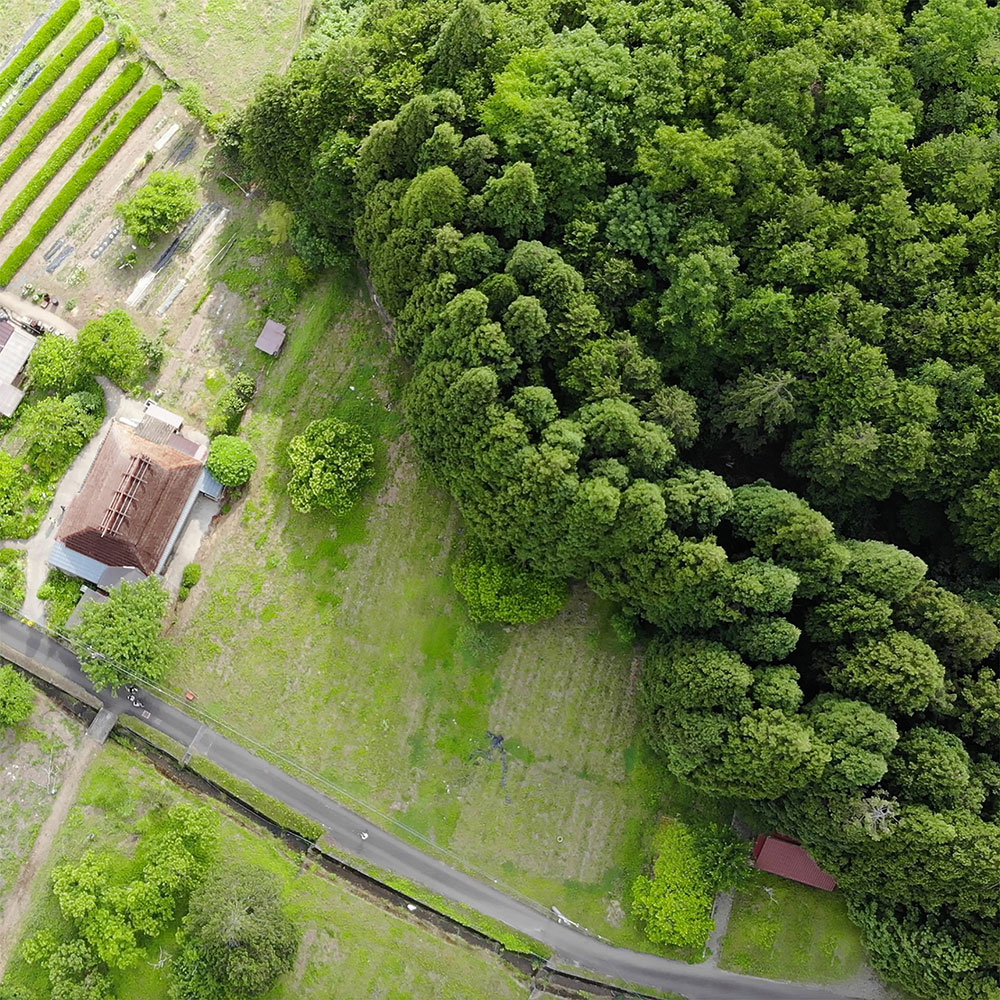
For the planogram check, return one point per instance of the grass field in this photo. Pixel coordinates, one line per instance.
(343, 645)
(224, 46)
(352, 947)
(802, 934)
(46, 739)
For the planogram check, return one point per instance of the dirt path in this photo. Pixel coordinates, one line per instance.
(23, 309)
(17, 903)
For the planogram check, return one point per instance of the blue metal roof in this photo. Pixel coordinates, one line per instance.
(210, 486)
(76, 564)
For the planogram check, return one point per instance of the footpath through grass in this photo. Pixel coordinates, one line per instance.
(800, 933)
(343, 644)
(351, 948)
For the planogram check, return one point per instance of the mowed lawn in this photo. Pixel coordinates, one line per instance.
(342, 644)
(224, 46)
(800, 934)
(352, 947)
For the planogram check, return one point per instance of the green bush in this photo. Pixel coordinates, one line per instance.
(230, 406)
(190, 576)
(78, 183)
(674, 906)
(126, 80)
(17, 697)
(61, 594)
(165, 200)
(285, 817)
(499, 591)
(57, 110)
(231, 460)
(33, 93)
(12, 579)
(38, 43)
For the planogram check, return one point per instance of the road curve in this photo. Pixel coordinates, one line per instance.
(29, 647)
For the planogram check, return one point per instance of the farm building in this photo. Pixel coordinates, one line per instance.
(15, 348)
(134, 503)
(271, 339)
(789, 859)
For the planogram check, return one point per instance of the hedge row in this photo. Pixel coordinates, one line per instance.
(77, 184)
(40, 85)
(57, 111)
(277, 812)
(38, 43)
(128, 78)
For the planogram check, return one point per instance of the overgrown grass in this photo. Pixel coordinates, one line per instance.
(794, 932)
(13, 563)
(61, 594)
(350, 632)
(352, 947)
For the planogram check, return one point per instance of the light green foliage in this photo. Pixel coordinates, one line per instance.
(38, 43)
(121, 641)
(54, 364)
(112, 346)
(79, 182)
(13, 585)
(56, 428)
(17, 696)
(331, 461)
(165, 200)
(38, 87)
(674, 903)
(61, 155)
(231, 460)
(61, 594)
(497, 591)
(229, 407)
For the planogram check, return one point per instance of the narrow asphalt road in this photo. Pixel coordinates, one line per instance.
(25, 645)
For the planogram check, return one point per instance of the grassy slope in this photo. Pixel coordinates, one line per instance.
(804, 934)
(224, 46)
(351, 947)
(351, 634)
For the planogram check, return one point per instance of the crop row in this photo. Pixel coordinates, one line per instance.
(126, 80)
(48, 76)
(38, 43)
(77, 184)
(57, 111)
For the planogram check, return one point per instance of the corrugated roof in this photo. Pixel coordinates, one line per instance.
(782, 857)
(210, 486)
(14, 354)
(157, 494)
(271, 338)
(10, 399)
(76, 563)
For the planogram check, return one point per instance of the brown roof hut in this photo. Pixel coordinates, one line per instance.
(789, 859)
(131, 505)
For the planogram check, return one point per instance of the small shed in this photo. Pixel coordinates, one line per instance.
(789, 859)
(15, 347)
(272, 338)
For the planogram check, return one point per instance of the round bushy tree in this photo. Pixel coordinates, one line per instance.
(159, 205)
(331, 461)
(54, 364)
(17, 696)
(231, 460)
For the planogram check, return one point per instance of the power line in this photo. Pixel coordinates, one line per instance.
(267, 752)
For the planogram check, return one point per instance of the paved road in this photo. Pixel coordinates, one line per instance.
(573, 948)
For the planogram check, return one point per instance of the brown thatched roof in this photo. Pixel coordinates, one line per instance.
(133, 497)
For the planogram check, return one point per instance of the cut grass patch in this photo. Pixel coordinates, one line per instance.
(802, 934)
(342, 644)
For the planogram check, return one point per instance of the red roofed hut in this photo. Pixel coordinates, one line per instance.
(789, 859)
(271, 339)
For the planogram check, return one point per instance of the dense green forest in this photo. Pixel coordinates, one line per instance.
(702, 305)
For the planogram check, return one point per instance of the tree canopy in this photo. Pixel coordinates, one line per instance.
(165, 200)
(638, 252)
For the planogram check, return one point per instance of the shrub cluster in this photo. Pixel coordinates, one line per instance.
(57, 110)
(48, 76)
(230, 406)
(190, 577)
(126, 80)
(77, 184)
(38, 43)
